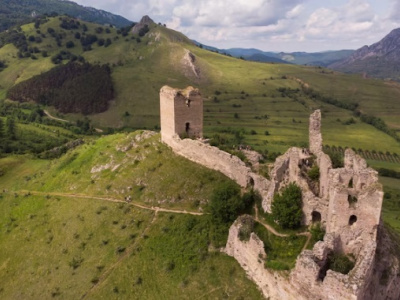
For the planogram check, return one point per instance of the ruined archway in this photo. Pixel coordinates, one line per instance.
(316, 216)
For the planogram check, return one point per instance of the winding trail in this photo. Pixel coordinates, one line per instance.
(273, 231)
(63, 120)
(72, 195)
(54, 118)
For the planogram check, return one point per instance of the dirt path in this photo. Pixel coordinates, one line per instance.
(274, 232)
(63, 120)
(71, 195)
(54, 118)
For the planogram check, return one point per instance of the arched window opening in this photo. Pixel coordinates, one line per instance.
(251, 181)
(352, 220)
(316, 216)
(187, 127)
(352, 200)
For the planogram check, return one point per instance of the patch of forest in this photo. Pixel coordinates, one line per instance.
(71, 88)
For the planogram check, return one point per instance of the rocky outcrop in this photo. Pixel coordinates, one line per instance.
(381, 59)
(146, 21)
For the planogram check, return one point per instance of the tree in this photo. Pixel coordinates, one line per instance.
(11, 128)
(286, 207)
(1, 128)
(70, 44)
(226, 203)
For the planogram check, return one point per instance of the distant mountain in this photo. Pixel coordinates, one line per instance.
(265, 58)
(13, 12)
(299, 58)
(381, 59)
(317, 58)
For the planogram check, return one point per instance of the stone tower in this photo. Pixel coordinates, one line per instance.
(181, 113)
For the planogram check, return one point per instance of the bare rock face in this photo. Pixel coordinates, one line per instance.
(189, 65)
(145, 21)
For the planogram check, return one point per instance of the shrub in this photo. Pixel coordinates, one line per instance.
(286, 207)
(340, 263)
(226, 203)
(317, 232)
(313, 173)
(246, 228)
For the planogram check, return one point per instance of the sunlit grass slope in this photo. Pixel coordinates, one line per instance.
(79, 238)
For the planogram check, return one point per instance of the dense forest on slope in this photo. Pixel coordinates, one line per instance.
(71, 88)
(14, 12)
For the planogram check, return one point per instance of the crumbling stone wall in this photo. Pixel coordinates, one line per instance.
(174, 113)
(181, 112)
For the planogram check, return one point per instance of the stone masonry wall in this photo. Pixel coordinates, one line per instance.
(181, 112)
(213, 158)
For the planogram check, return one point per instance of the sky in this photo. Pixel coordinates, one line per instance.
(268, 25)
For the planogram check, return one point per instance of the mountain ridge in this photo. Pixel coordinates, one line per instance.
(381, 59)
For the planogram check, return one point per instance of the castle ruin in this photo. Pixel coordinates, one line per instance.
(346, 201)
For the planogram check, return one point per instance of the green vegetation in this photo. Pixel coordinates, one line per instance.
(281, 251)
(286, 207)
(19, 11)
(99, 248)
(90, 245)
(265, 97)
(340, 263)
(313, 173)
(317, 234)
(74, 87)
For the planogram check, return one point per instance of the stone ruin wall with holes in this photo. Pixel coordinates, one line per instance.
(347, 201)
(352, 227)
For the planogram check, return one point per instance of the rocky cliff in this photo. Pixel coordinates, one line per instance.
(381, 59)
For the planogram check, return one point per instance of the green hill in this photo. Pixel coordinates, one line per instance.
(67, 231)
(243, 99)
(14, 12)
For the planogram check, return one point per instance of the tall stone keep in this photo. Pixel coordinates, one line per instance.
(181, 113)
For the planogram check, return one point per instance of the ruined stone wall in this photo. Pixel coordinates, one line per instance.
(355, 202)
(213, 158)
(287, 169)
(181, 112)
(250, 255)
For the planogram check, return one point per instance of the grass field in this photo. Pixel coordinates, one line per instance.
(69, 248)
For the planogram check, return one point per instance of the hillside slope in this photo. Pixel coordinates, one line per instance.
(243, 100)
(118, 217)
(381, 59)
(13, 12)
